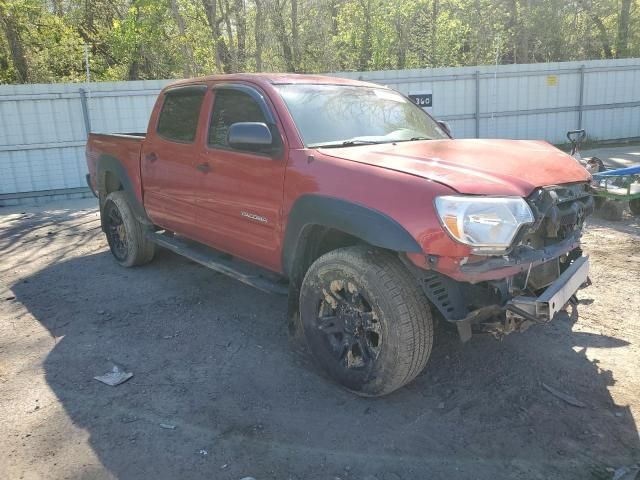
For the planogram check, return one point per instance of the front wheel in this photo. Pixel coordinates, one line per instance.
(125, 234)
(366, 320)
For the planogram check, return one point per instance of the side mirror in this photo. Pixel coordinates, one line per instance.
(249, 135)
(446, 127)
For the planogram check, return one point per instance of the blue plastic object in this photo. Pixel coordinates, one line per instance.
(620, 172)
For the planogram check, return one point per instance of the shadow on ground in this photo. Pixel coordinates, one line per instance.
(211, 357)
(24, 233)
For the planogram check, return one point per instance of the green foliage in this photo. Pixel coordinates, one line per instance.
(43, 40)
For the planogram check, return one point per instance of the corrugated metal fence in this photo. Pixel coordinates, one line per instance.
(44, 130)
(43, 127)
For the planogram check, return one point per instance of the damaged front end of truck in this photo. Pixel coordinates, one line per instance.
(528, 283)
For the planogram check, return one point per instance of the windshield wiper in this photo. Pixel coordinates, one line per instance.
(354, 142)
(412, 139)
(346, 143)
(349, 143)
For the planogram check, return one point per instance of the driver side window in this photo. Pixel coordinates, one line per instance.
(231, 106)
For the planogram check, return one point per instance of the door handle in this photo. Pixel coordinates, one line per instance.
(151, 157)
(204, 167)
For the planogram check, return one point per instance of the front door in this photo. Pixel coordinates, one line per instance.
(168, 160)
(239, 192)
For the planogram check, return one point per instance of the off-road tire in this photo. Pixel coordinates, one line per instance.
(390, 296)
(611, 210)
(136, 248)
(634, 206)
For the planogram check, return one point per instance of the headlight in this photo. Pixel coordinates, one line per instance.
(488, 224)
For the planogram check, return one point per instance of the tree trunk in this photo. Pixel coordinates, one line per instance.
(57, 7)
(333, 8)
(525, 56)
(14, 42)
(365, 47)
(210, 11)
(602, 30)
(241, 34)
(402, 46)
(622, 41)
(604, 37)
(223, 58)
(88, 16)
(514, 29)
(294, 33)
(134, 70)
(281, 35)
(258, 34)
(138, 62)
(480, 33)
(434, 31)
(188, 65)
(226, 16)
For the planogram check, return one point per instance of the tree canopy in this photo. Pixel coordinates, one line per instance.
(44, 40)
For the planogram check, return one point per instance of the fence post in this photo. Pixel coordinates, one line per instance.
(85, 111)
(477, 103)
(581, 100)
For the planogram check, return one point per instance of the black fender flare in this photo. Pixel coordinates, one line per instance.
(110, 164)
(367, 224)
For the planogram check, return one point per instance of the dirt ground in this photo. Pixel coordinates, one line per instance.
(211, 358)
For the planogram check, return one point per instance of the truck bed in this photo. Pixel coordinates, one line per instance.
(126, 147)
(120, 135)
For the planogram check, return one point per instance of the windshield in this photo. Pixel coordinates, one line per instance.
(342, 115)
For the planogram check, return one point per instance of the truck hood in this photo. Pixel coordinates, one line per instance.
(487, 167)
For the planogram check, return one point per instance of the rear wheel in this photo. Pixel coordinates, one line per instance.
(365, 320)
(634, 205)
(125, 234)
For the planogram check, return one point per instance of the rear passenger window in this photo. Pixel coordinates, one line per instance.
(179, 115)
(231, 106)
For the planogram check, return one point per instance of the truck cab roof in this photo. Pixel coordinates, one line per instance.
(276, 79)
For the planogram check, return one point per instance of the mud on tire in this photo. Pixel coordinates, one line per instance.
(125, 234)
(365, 320)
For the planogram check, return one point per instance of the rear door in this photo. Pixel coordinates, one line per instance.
(239, 192)
(168, 160)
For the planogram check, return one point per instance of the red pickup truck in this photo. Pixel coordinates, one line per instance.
(357, 204)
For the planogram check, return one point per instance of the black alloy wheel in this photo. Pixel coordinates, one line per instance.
(365, 319)
(115, 231)
(350, 326)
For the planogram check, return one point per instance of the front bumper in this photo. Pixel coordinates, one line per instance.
(555, 297)
(503, 306)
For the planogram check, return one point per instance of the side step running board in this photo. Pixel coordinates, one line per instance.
(213, 260)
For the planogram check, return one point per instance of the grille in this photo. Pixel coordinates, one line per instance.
(560, 212)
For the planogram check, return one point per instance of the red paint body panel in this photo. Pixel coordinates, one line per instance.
(125, 148)
(479, 167)
(168, 177)
(405, 198)
(400, 180)
(240, 183)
